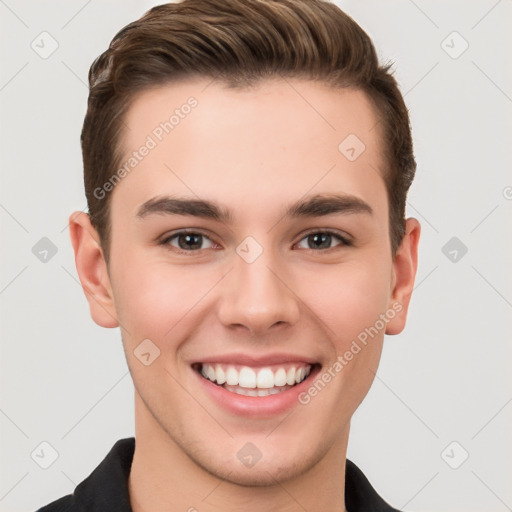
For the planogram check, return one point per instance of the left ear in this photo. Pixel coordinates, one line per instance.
(405, 264)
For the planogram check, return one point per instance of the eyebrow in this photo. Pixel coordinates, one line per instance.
(315, 206)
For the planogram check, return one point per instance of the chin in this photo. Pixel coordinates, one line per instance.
(267, 471)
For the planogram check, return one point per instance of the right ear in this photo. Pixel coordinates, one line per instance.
(92, 269)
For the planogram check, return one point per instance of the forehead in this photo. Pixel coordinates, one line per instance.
(276, 141)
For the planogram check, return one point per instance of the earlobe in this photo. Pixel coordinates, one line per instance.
(404, 272)
(92, 270)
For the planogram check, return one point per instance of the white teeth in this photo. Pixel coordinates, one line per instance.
(220, 375)
(265, 379)
(247, 378)
(231, 376)
(210, 373)
(256, 392)
(280, 377)
(290, 377)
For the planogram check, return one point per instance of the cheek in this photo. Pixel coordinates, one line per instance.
(156, 299)
(152, 304)
(351, 307)
(148, 302)
(351, 299)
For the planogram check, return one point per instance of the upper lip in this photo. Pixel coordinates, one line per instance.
(256, 360)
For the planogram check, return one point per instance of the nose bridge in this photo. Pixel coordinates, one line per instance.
(256, 295)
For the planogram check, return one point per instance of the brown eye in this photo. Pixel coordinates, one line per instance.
(185, 241)
(323, 240)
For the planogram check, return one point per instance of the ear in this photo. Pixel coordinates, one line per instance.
(92, 270)
(405, 264)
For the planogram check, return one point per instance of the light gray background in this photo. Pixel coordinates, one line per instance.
(64, 380)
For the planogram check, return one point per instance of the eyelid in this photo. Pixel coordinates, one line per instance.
(185, 231)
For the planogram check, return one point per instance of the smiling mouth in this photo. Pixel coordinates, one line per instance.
(249, 381)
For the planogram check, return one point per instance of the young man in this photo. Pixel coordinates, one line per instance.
(246, 168)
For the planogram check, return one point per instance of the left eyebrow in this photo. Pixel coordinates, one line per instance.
(314, 206)
(320, 205)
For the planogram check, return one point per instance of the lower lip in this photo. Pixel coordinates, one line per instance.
(257, 406)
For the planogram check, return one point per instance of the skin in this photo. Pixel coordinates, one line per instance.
(255, 151)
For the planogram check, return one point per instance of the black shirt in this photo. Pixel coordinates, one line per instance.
(106, 488)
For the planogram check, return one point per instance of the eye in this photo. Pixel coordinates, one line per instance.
(323, 239)
(187, 241)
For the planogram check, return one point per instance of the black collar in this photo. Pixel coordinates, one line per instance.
(106, 488)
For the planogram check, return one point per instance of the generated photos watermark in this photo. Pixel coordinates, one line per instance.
(152, 140)
(358, 344)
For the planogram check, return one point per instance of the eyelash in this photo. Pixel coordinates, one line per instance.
(344, 241)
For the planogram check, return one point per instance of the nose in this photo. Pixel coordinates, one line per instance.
(257, 297)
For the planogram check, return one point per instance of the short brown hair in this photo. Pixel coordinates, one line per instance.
(239, 42)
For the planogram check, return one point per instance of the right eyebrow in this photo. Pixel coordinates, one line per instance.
(184, 206)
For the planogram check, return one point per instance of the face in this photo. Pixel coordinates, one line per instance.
(250, 250)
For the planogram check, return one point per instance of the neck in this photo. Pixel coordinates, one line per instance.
(164, 478)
